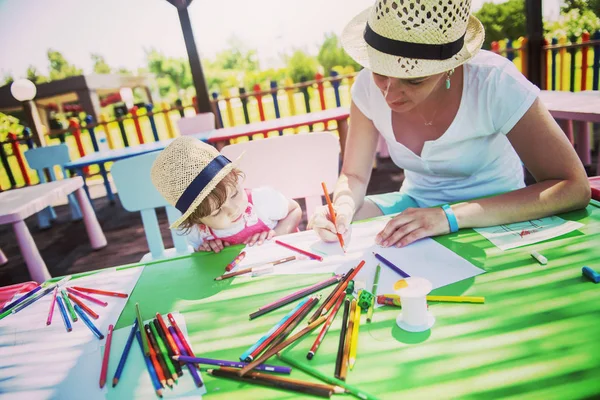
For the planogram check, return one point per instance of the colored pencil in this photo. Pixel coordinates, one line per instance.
(101, 292)
(170, 340)
(306, 253)
(256, 268)
(374, 292)
(63, 293)
(81, 304)
(391, 265)
(104, 369)
(296, 321)
(87, 297)
(52, 304)
(160, 361)
(332, 215)
(125, 353)
(31, 300)
(63, 312)
(271, 351)
(394, 299)
(184, 342)
(21, 299)
(291, 298)
(349, 332)
(140, 321)
(354, 342)
(163, 350)
(325, 328)
(246, 355)
(324, 377)
(88, 322)
(193, 371)
(235, 261)
(170, 354)
(342, 289)
(149, 366)
(332, 295)
(295, 385)
(157, 367)
(340, 353)
(308, 290)
(276, 369)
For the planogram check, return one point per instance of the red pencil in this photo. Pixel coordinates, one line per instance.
(105, 358)
(180, 335)
(332, 215)
(98, 291)
(325, 328)
(81, 304)
(170, 342)
(306, 253)
(85, 296)
(51, 312)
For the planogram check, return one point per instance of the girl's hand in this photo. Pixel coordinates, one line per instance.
(413, 224)
(321, 222)
(259, 238)
(213, 245)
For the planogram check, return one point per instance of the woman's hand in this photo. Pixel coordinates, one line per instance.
(321, 222)
(213, 245)
(413, 224)
(259, 238)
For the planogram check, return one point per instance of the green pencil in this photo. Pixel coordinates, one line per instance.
(374, 292)
(325, 378)
(138, 314)
(163, 350)
(65, 297)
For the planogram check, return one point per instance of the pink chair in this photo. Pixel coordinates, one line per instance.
(293, 164)
(197, 124)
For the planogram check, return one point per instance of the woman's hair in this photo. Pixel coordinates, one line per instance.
(214, 200)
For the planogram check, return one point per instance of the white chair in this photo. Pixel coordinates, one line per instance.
(293, 164)
(199, 123)
(137, 193)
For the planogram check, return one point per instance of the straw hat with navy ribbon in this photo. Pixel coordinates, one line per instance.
(413, 38)
(186, 171)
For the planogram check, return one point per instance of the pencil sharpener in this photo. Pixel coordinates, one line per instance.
(365, 299)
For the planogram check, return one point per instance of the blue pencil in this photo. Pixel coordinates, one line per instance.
(63, 312)
(21, 299)
(392, 266)
(125, 353)
(88, 322)
(247, 353)
(151, 370)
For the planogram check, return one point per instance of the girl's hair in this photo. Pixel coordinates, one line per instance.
(214, 200)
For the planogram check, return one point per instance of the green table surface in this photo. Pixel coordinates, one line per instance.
(536, 337)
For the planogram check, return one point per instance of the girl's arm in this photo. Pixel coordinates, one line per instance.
(291, 221)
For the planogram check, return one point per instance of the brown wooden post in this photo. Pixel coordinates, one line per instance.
(535, 38)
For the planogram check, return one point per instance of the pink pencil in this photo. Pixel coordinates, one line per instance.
(51, 312)
(308, 290)
(85, 296)
(306, 253)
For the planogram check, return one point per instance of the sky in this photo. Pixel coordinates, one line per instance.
(121, 30)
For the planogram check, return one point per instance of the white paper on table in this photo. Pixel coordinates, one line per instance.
(520, 234)
(49, 362)
(135, 381)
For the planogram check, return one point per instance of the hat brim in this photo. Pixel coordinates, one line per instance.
(207, 189)
(389, 65)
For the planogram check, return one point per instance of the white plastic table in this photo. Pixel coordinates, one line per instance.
(16, 205)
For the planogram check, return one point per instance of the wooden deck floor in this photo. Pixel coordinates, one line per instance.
(66, 250)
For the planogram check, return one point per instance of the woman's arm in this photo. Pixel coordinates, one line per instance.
(562, 183)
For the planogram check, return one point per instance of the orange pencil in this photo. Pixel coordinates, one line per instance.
(98, 291)
(332, 214)
(84, 307)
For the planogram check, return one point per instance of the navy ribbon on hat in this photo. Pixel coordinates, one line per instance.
(200, 181)
(424, 51)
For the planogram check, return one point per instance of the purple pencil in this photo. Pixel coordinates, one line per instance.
(51, 312)
(233, 364)
(307, 290)
(191, 367)
(87, 297)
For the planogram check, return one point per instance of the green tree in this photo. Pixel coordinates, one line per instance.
(60, 68)
(502, 21)
(34, 76)
(573, 23)
(100, 65)
(300, 64)
(237, 56)
(7, 79)
(172, 74)
(581, 5)
(331, 54)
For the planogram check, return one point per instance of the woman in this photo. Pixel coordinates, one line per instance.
(459, 121)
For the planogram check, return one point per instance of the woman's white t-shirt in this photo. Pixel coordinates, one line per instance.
(473, 158)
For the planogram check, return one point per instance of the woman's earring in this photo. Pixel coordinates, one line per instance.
(448, 75)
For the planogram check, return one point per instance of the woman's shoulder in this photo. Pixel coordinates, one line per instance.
(486, 63)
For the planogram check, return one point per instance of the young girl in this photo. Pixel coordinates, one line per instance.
(216, 209)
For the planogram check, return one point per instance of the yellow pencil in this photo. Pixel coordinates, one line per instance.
(447, 299)
(354, 342)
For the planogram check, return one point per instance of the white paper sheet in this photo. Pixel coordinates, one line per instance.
(520, 234)
(135, 381)
(47, 362)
